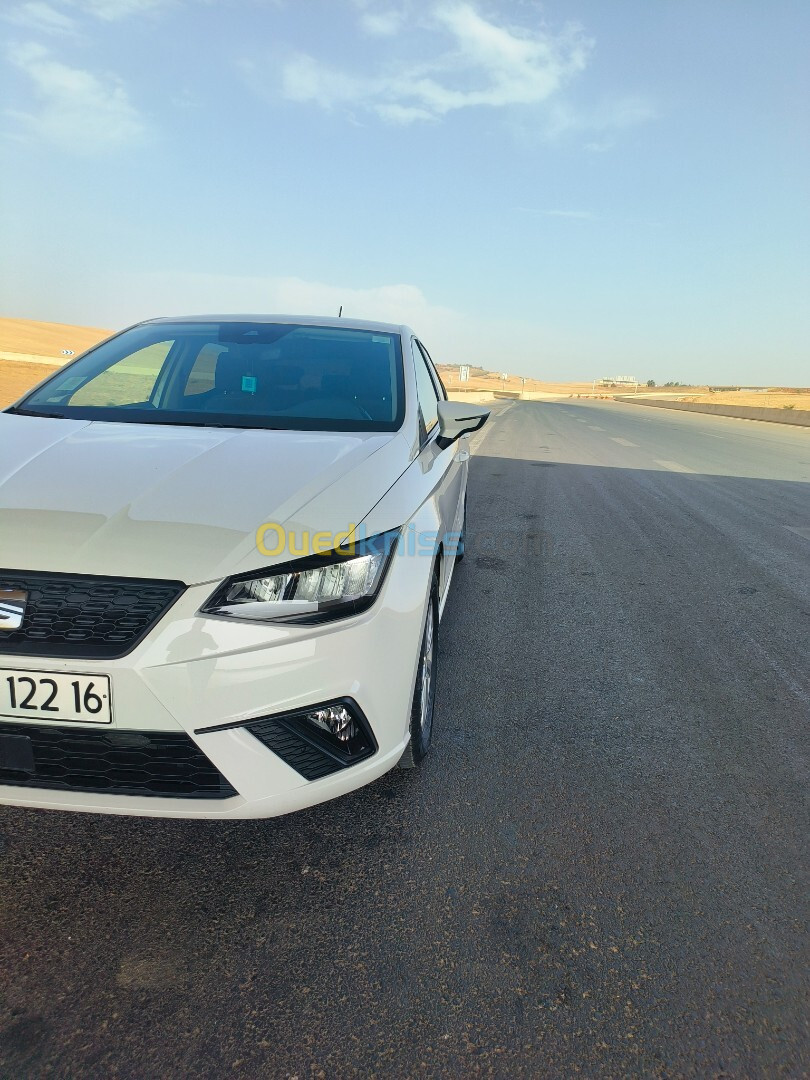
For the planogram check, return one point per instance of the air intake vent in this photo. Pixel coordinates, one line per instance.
(161, 764)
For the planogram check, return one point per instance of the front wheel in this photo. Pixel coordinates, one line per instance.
(424, 692)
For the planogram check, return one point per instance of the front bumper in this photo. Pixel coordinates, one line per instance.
(193, 673)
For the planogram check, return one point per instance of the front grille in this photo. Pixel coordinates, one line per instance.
(160, 764)
(96, 618)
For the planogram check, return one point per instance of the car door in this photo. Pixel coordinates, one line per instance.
(445, 468)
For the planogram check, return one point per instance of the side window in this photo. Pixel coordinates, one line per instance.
(425, 390)
(432, 368)
(128, 382)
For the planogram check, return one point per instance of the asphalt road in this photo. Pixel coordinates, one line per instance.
(602, 868)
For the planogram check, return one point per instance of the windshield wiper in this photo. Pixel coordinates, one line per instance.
(30, 412)
(152, 418)
(210, 424)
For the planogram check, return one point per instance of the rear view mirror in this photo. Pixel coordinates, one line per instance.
(458, 418)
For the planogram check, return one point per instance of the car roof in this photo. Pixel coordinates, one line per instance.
(302, 320)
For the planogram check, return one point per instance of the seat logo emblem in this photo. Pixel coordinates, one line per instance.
(12, 608)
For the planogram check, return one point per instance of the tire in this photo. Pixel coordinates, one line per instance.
(463, 535)
(424, 691)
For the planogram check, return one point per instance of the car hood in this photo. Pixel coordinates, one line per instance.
(180, 503)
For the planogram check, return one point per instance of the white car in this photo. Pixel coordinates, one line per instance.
(225, 546)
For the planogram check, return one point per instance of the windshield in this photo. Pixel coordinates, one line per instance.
(233, 374)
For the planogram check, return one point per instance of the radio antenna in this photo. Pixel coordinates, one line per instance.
(340, 313)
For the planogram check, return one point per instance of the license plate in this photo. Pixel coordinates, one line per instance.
(55, 696)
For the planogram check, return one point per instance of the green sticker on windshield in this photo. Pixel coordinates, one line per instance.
(249, 383)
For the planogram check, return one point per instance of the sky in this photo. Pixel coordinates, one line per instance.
(563, 190)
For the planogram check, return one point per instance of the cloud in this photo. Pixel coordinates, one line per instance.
(292, 295)
(382, 23)
(599, 146)
(76, 109)
(40, 17)
(304, 79)
(66, 17)
(609, 115)
(452, 336)
(403, 114)
(119, 298)
(483, 64)
(61, 16)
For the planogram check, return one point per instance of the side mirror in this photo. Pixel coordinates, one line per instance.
(457, 418)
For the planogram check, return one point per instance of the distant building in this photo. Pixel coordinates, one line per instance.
(618, 380)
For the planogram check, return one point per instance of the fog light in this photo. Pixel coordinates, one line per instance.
(317, 741)
(335, 719)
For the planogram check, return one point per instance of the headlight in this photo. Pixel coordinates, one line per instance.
(310, 590)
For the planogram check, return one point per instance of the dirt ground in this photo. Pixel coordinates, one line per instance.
(16, 378)
(47, 339)
(493, 381)
(776, 399)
